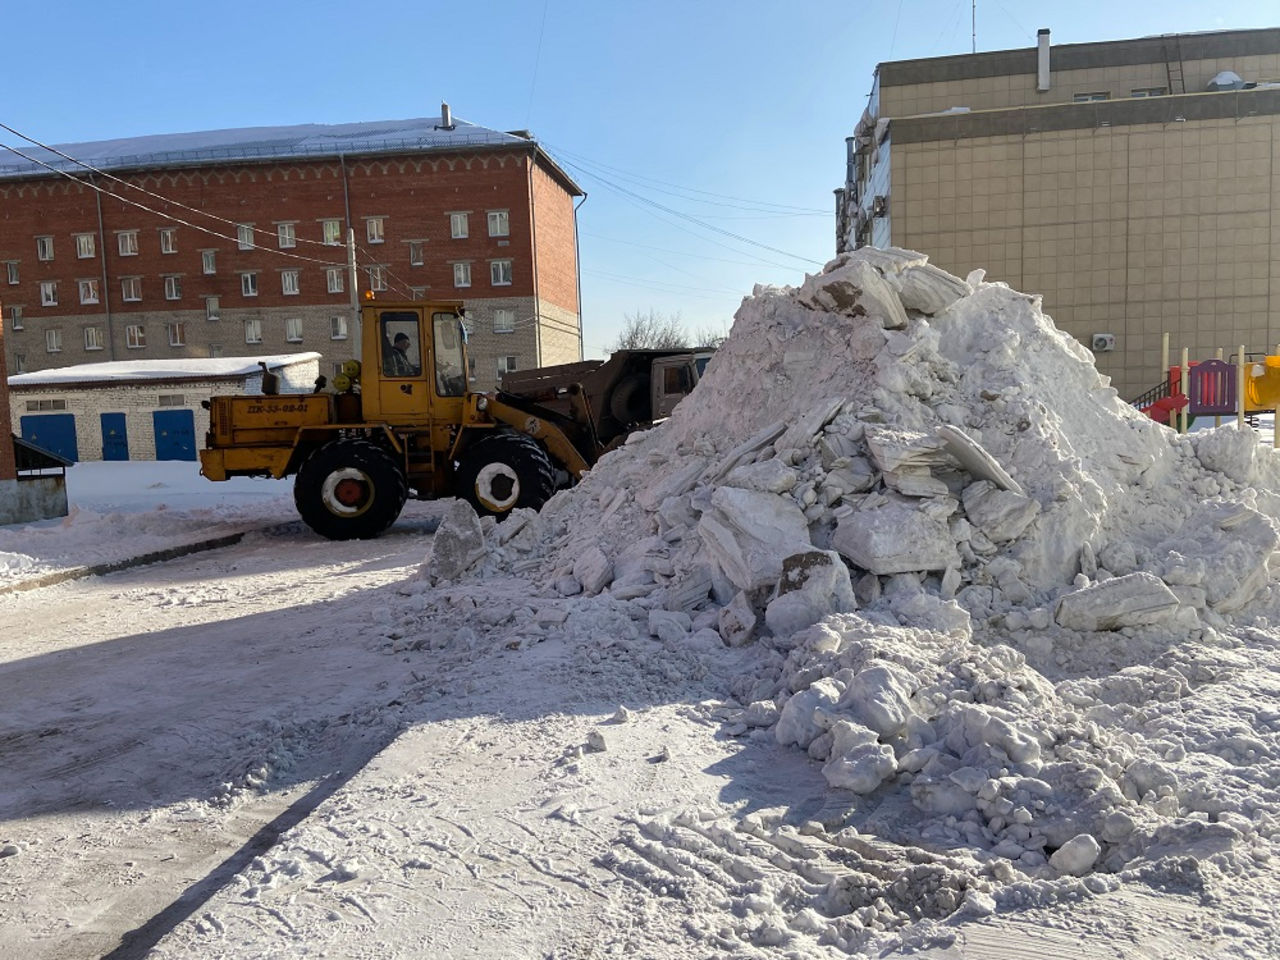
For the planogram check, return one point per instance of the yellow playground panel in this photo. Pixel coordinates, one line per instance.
(1262, 385)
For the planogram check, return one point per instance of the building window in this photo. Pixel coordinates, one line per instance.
(471, 369)
(48, 293)
(287, 233)
(177, 334)
(171, 400)
(336, 367)
(417, 293)
(12, 267)
(212, 310)
(378, 278)
(293, 329)
(19, 363)
(209, 261)
(500, 273)
(93, 338)
(44, 248)
(135, 336)
(1150, 92)
(332, 230)
(416, 258)
(127, 243)
(499, 223)
(289, 282)
(337, 328)
(40, 406)
(458, 226)
(86, 245)
(244, 236)
(53, 341)
(373, 227)
(462, 274)
(333, 277)
(131, 289)
(168, 239)
(1094, 95)
(88, 291)
(249, 284)
(253, 331)
(215, 349)
(15, 318)
(504, 321)
(173, 287)
(506, 365)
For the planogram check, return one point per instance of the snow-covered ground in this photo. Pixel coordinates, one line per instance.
(907, 638)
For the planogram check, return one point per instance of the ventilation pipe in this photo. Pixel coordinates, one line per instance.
(446, 117)
(1042, 59)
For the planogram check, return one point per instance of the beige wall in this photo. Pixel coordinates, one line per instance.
(1126, 230)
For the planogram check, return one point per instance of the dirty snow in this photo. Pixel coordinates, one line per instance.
(904, 634)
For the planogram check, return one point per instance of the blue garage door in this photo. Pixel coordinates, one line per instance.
(55, 432)
(115, 442)
(175, 434)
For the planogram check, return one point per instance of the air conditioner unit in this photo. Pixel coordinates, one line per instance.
(879, 206)
(1103, 342)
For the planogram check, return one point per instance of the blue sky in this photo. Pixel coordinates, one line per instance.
(730, 114)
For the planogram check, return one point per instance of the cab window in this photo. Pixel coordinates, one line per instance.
(451, 378)
(401, 348)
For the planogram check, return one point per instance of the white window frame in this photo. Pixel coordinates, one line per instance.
(209, 262)
(337, 327)
(293, 329)
(127, 243)
(86, 246)
(249, 284)
(11, 267)
(244, 236)
(417, 253)
(377, 277)
(375, 229)
(417, 293)
(135, 336)
(507, 364)
(499, 223)
(177, 331)
(53, 340)
(212, 308)
(287, 235)
(500, 273)
(333, 278)
(504, 320)
(15, 318)
(93, 338)
(48, 293)
(88, 290)
(289, 283)
(462, 274)
(459, 228)
(131, 289)
(173, 287)
(253, 330)
(44, 248)
(331, 230)
(168, 239)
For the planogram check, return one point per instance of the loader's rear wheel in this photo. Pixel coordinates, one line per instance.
(503, 472)
(350, 490)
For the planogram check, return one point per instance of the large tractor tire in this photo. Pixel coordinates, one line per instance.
(350, 489)
(505, 471)
(629, 401)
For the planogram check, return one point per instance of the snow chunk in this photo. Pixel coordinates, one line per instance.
(748, 533)
(458, 544)
(1129, 601)
(895, 538)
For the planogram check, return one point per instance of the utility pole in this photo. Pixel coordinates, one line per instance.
(973, 23)
(355, 292)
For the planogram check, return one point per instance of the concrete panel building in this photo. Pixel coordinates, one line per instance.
(1135, 184)
(234, 242)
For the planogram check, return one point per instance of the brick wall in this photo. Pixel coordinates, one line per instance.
(414, 197)
(555, 241)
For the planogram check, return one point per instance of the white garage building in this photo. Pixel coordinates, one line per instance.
(140, 409)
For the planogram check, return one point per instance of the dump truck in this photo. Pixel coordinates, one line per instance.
(631, 389)
(402, 422)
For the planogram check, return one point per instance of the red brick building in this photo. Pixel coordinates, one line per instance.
(236, 242)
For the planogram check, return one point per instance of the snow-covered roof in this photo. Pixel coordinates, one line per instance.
(258, 143)
(193, 368)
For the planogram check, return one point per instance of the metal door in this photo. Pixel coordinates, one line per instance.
(55, 432)
(115, 441)
(175, 434)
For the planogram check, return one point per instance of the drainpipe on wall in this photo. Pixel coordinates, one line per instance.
(577, 269)
(106, 285)
(533, 247)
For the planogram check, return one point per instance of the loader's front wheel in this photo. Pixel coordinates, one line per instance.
(505, 471)
(350, 489)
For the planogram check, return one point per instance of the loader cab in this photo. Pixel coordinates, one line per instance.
(415, 362)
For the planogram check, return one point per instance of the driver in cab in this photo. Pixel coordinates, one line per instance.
(398, 362)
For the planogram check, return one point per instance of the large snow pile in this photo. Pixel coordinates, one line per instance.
(970, 581)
